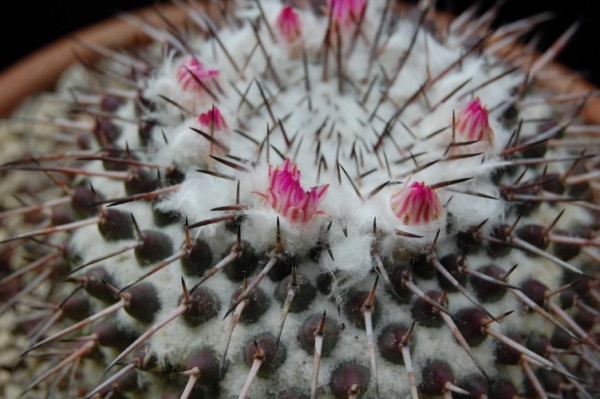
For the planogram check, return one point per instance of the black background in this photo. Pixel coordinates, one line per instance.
(30, 25)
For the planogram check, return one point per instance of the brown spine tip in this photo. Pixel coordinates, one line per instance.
(202, 307)
(273, 355)
(390, 340)
(243, 265)
(468, 241)
(354, 308)
(95, 283)
(309, 329)
(349, 377)
(258, 304)
(305, 292)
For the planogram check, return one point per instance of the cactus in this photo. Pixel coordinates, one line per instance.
(337, 200)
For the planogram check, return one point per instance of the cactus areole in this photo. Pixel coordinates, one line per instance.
(332, 199)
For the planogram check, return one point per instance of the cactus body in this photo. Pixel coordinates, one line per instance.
(316, 200)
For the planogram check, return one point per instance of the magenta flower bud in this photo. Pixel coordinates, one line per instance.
(212, 118)
(473, 124)
(416, 204)
(190, 71)
(289, 26)
(287, 197)
(346, 11)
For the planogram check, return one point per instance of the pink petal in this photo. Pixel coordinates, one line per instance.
(212, 118)
(416, 204)
(472, 123)
(289, 25)
(191, 70)
(286, 195)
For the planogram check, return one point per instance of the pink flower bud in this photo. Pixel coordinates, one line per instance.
(472, 124)
(346, 11)
(212, 118)
(190, 71)
(289, 26)
(287, 197)
(416, 204)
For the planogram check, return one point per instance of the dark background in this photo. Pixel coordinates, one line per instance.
(30, 25)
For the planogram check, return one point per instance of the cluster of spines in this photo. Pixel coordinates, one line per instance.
(265, 353)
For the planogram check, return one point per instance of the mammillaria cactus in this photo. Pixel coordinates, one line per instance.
(311, 199)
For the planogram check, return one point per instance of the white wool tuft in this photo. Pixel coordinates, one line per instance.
(351, 256)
